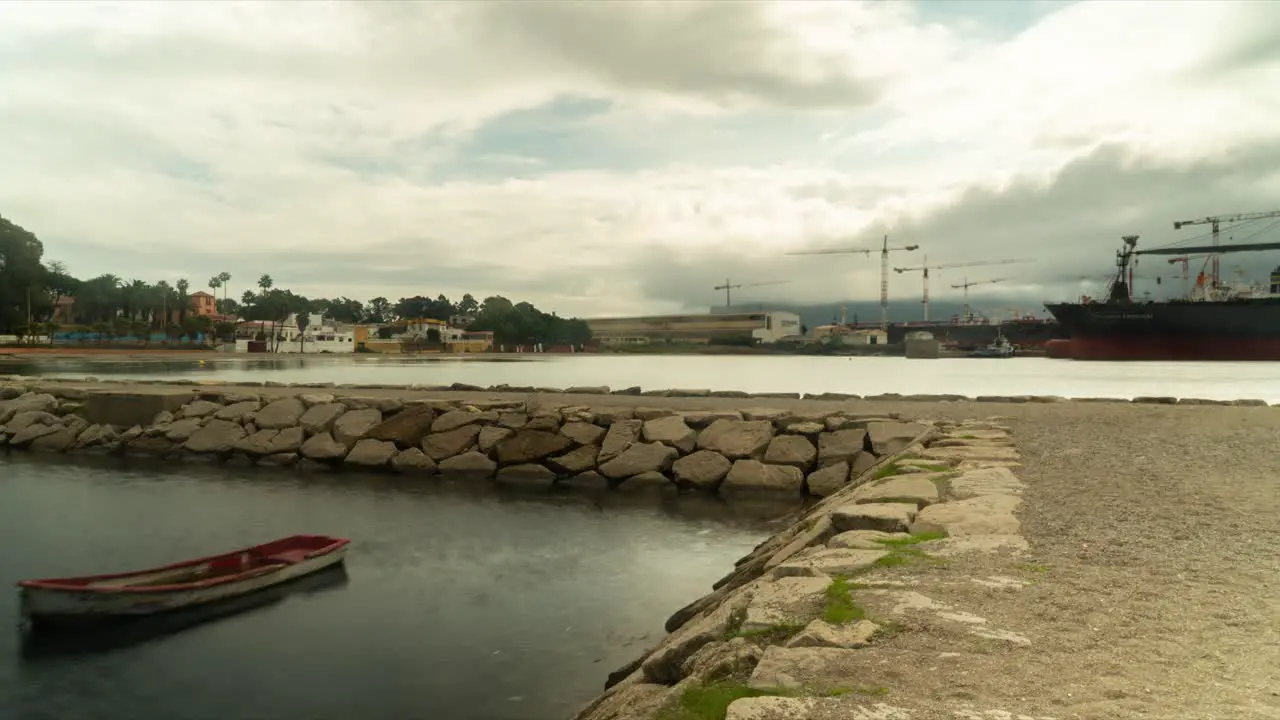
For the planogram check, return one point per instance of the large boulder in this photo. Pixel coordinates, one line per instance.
(281, 413)
(703, 469)
(916, 489)
(406, 429)
(199, 409)
(458, 418)
(672, 431)
(575, 461)
(490, 436)
(413, 462)
(468, 466)
(371, 453)
(826, 481)
(21, 420)
(794, 450)
(885, 517)
(840, 446)
(525, 474)
(41, 402)
(322, 447)
(583, 433)
(527, 446)
(179, 430)
(622, 433)
(219, 436)
(737, 439)
(272, 442)
(237, 411)
(354, 424)
(639, 458)
(320, 418)
(60, 440)
(441, 445)
(748, 476)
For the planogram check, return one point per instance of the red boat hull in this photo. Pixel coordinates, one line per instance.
(1117, 348)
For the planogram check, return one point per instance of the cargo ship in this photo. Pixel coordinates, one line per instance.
(972, 331)
(1215, 321)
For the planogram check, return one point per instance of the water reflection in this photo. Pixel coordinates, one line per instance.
(48, 642)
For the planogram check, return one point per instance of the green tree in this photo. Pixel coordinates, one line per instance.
(378, 311)
(21, 274)
(303, 320)
(184, 300)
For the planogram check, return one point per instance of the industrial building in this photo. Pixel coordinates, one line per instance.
(762, 327)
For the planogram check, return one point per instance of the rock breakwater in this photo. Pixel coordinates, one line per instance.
(818, 621)
(728, 452)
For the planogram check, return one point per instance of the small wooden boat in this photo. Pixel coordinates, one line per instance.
(181, 585)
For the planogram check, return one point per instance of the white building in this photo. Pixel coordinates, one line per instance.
(320, 337)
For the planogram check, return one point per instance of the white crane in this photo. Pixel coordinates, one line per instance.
(926, 267)
(884, 269)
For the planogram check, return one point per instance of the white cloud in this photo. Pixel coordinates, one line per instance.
(320, 142)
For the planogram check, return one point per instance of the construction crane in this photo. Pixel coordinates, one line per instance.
(926, 267)
(966, 285)
(728, 287)
(1186, 269)
(1214, 222)
(884, 269)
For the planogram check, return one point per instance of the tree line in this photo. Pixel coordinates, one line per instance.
(111, 306)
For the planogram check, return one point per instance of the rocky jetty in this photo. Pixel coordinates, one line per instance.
(812, 623)
(729, 452)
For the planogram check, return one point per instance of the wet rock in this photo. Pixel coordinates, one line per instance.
(890, 437)
(914, 489)
(219, 436)
(287, 459)
(647, 480)
(841, 445)
(320, 418)
(371, 453)
(703, 469)
(439, 446)
(468, 466)
(639, 458)
(621, 435)
(281, 413)
(272, 442)
(718, 660)
(794, 450)
(406, 429)
(526, 474)
(575, 461)
(164, 417)
(828, 480)
(96, 435)
(665, 664)
(413, 462)
(147, 446)
(354, 424)
(886, 517)
(323, 447)
(527, 446)
(27, 402)
(748, 476)
(589, 479)
(583, 433)
(199, 409)
(736, 439)
(237, 412)
(671, 431)
(458, 418)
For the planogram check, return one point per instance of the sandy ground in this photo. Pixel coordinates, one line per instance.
(1153, 574)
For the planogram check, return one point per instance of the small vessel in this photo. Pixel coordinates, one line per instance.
(998, 348)
(186, 584)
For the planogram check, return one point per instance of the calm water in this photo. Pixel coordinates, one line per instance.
(862, 376)
(454, 604)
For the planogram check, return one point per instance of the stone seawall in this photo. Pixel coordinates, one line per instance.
(756, 450)
(817, 622)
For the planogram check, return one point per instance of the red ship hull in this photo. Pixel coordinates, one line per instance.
(1139, 348)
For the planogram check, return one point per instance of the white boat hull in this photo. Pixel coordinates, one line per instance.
(48, 604)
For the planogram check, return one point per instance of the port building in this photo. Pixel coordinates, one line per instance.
(766, 327)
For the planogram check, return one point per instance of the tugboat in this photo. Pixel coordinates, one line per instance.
(999, 348)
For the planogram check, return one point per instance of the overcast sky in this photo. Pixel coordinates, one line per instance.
(624, 157)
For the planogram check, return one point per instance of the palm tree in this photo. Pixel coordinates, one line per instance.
(183, 299)
(264, 283)
(224, 279)
(302, 320)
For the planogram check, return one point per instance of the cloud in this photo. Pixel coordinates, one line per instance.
(616, 158)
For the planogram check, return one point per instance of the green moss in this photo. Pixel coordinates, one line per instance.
(912, 539)
(889, 470)
(710, 702)
(903, 555)
(841, 608)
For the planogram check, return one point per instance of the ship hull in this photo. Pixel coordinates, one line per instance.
(1216, 331)
(973, 336)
